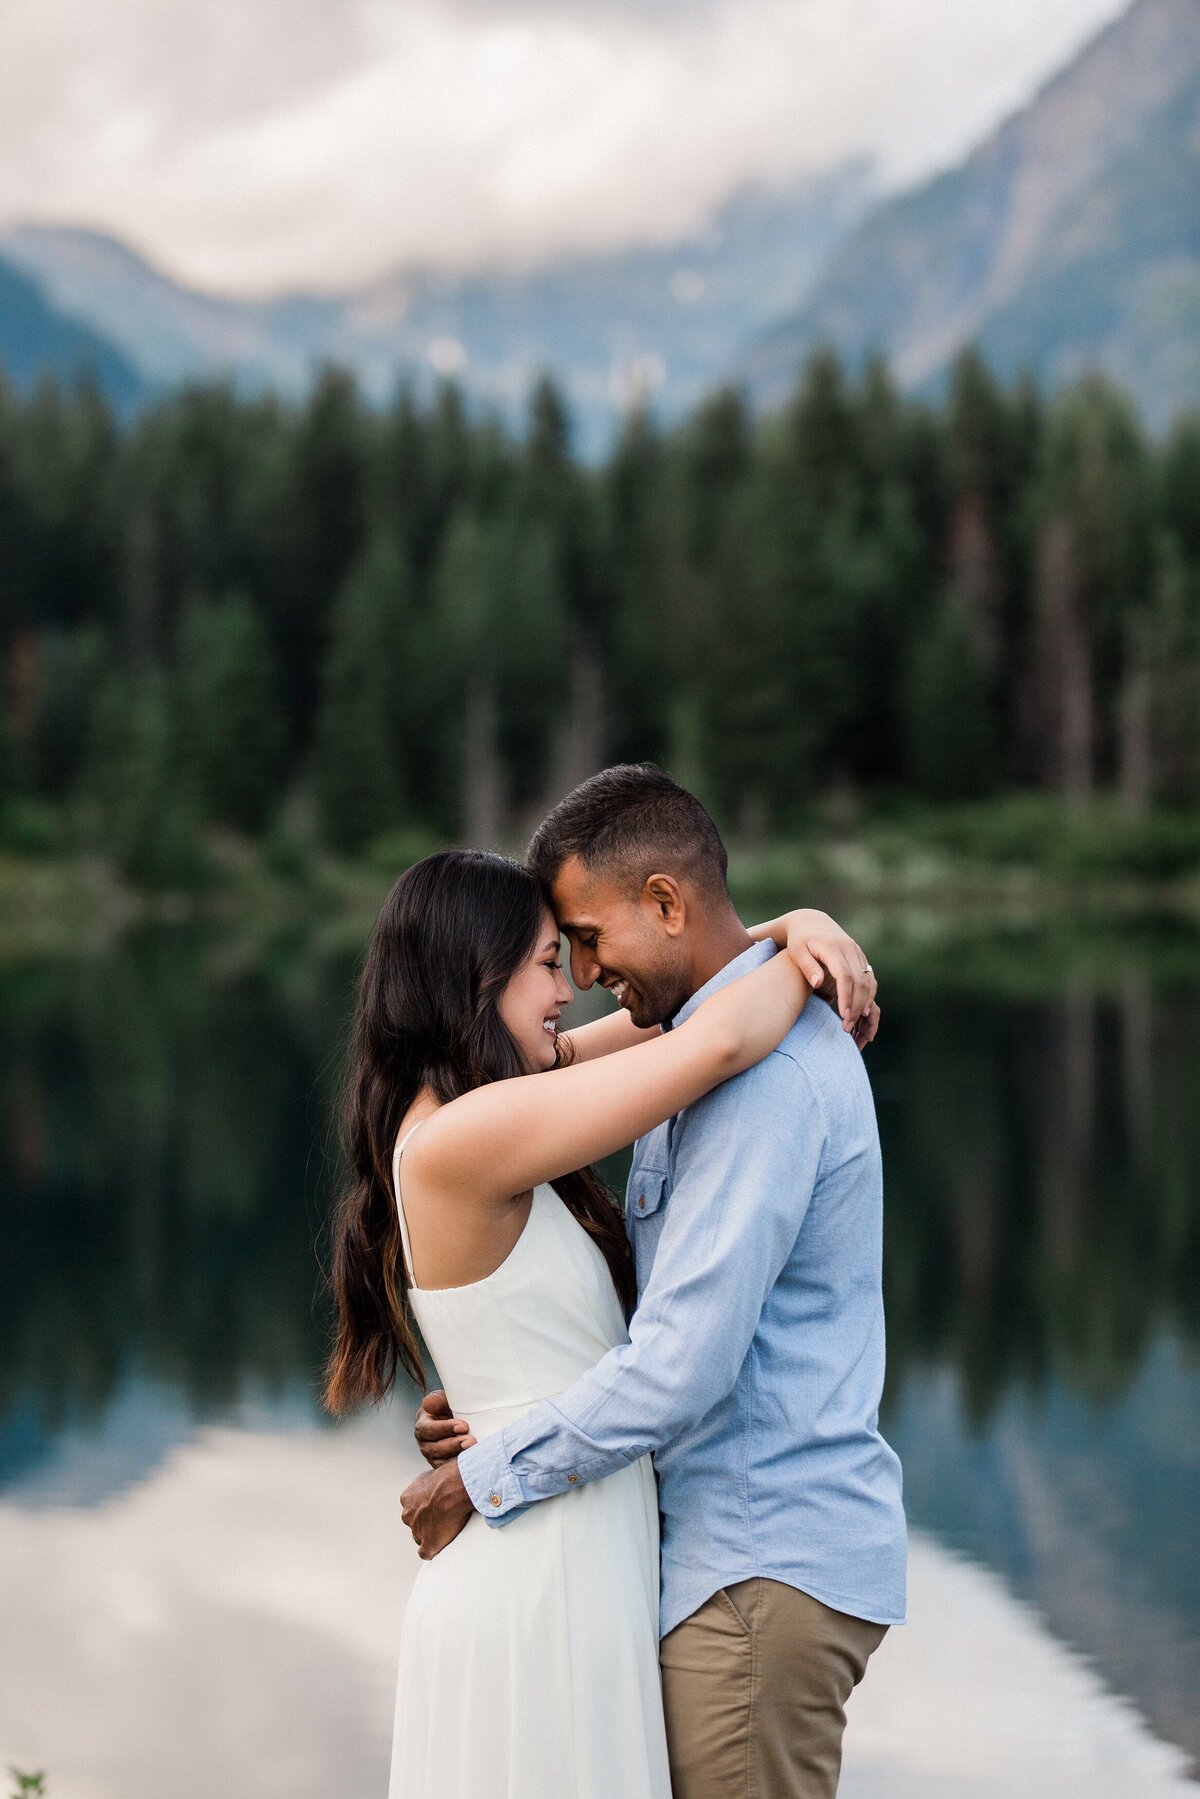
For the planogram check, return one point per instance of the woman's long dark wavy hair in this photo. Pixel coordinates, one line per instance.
(451, 934)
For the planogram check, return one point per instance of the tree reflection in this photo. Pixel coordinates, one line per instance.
(166, 1169)
(1041, 1161)
(167, 1160)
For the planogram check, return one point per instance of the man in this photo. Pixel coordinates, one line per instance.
(756, 1354)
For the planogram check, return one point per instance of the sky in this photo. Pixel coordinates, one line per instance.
(253, 145)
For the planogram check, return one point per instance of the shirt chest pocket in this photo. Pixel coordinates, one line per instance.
(646, 1192)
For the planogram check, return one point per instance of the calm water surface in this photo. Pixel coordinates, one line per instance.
(165, 1175)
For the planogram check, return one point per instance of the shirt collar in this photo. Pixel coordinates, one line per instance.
(754, 957)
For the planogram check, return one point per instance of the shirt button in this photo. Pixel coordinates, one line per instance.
(572, 1480)
(494, 1498)
(641, 1202)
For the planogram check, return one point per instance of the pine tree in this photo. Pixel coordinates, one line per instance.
(319, 529)
(448, 478)
(822, 437)
(1179, 487)
(539, 667)
(231, 719)
(398, 473)
(358, 778)
(636, 648)
(761, 731)
(138, 810)
(555, 504)
(1092, 572)
(708, 463)
(70, 667)
(976, 431)
(1173, 667)
(469, 585)
(812, 613)
(950, 741)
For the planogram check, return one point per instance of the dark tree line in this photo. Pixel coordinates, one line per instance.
(406, 620)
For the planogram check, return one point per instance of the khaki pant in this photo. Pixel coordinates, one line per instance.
(755, 1685)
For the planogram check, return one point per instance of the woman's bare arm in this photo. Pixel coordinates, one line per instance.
(834, 964)
(829, 958)
(501, 1139)
(604, 1036)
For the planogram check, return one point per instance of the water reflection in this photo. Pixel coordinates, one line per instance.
(1089, 1510)
(165, 1159)
(228, 1625)
(1042, 1170)
(165, 1168)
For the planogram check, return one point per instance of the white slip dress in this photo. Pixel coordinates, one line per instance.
(529, 1651)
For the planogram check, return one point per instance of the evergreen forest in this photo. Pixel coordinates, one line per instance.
(227, 614)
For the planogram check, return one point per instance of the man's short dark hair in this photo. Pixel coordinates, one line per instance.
(628, 823)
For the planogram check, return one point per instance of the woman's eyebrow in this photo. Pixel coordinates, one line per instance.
(551, 943)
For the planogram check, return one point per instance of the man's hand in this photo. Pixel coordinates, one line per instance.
(436, 1507)
(440, 1435)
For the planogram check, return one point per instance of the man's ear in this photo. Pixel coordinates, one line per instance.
(663, 894)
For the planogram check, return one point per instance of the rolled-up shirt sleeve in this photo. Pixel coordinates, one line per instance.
(745, 1160)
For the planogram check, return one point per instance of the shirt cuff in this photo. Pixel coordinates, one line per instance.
(492, 1487)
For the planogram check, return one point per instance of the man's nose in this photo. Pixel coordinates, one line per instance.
(584, 968)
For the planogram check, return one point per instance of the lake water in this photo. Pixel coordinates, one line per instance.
(203, 1581)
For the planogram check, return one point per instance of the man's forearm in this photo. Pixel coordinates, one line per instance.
(642, 1395)
(488, 1481)
(731, 1226)
(538, 1457)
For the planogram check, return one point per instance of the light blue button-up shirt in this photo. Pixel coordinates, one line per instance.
(756, 1354)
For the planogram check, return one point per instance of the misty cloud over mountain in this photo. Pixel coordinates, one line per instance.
(1069, 240)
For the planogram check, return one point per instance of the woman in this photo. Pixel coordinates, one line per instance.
(528, 1662)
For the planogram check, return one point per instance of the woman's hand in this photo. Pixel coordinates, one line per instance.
(833, 964)
(440, 1435)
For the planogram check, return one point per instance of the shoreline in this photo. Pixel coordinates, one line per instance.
(935, 878)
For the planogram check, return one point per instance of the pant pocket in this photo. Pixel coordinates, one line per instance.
(742, 1600)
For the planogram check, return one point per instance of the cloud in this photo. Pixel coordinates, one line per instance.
(326, 141)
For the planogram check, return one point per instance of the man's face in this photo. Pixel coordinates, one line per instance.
(633, 945)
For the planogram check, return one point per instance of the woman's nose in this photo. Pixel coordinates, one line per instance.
(563, 990)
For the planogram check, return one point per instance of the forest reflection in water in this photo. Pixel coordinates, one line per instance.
(167, 1158)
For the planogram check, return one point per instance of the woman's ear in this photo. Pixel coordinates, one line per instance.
(664, 895)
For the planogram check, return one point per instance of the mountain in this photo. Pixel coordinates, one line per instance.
(36, 339)
(1068, 242)
(169, 332)
(663, 321)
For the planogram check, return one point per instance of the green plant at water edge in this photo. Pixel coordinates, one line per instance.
(29, 1786)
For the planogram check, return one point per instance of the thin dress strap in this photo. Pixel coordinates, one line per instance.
(396, 1155)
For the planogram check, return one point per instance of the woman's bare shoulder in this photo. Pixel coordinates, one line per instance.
(434, 1159)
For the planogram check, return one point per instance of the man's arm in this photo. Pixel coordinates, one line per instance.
(746, 1160)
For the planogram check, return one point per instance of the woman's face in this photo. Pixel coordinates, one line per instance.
(534, 998)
